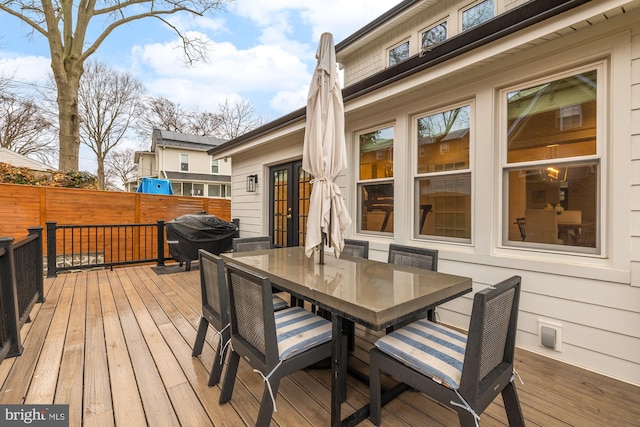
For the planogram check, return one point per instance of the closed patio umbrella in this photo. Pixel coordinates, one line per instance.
(325, 154)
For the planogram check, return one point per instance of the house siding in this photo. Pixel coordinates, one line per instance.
(594, 297)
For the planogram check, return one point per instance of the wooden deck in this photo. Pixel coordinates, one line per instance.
(116, 346)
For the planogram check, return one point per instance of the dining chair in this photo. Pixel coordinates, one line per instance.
(462, 372)
(275, 344)
(411, 256)
(215, 309)
(215, 312)
(356, 248)
(242, 244)
(245, 244)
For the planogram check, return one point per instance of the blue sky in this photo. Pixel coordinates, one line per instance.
(261, 50)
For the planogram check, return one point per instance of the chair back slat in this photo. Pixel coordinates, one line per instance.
(494, 334)
(426, 259)
(214, 288)
(244, 244)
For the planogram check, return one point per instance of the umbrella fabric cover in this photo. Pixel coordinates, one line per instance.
(325, 154)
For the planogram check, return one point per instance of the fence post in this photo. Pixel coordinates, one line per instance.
(160, 243)
(9, 297)
(39, 261)
(51, 249)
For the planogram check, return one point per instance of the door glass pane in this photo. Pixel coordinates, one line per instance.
(304, 194)
(280, 195)
(553, 120)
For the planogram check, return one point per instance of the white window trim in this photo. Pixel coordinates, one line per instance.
(359, 182)
(446, 20)
(603, 104)
(415, 232)
(390, 48)
(469, 6)
(180, 162)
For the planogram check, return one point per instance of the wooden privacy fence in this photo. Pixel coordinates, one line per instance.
(24, 206)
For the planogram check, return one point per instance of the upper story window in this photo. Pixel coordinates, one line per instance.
(553, 166)
(184, 162)
(375, 183)
(434, 35)
(215, 168)
(399, 53)
(477, 14)
(443, 175)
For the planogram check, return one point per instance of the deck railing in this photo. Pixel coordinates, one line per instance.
(21, 286)
(73, 247)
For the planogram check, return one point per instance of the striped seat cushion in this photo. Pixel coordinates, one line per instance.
(279, 303)
(431, 349)
(299, 330)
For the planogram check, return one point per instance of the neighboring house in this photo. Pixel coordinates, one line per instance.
(468, 119)
(18, 160)
(183, 159)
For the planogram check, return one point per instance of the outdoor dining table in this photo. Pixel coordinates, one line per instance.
(372, 293)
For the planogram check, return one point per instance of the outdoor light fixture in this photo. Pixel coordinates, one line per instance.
(252, 182)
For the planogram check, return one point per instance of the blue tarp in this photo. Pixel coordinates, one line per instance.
(155, 186)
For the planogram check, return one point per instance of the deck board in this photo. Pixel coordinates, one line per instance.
(116, 346)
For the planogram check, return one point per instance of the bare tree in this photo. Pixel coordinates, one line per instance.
(23, 127)
(120, 166)
(67, 26)
(229, 121)
(109, 101)
(236, 118)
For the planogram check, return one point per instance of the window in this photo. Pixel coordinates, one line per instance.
(399, 53)
(375, 184)
(434, 35)
(184, 162)
(198, 190)
(553, 167)
(215, 168)
(443, 176)
(219, 190)
(477, 14)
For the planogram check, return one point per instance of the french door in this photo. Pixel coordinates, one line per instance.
(289, 191)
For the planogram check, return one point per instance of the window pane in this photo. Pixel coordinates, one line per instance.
(444, 207)
(184, 162)
(187, 189)
(398, 53)
(198, 189)
(477, 14)
(376, 154)
(434, 35)
(554, 204)
(443, 141)
(214, 190)
(214, 166)
(377, 207)
(553, 120)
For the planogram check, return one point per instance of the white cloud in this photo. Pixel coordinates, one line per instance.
(29, 70)
(262, 70)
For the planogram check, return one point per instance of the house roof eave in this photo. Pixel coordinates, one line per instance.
(500, 26)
